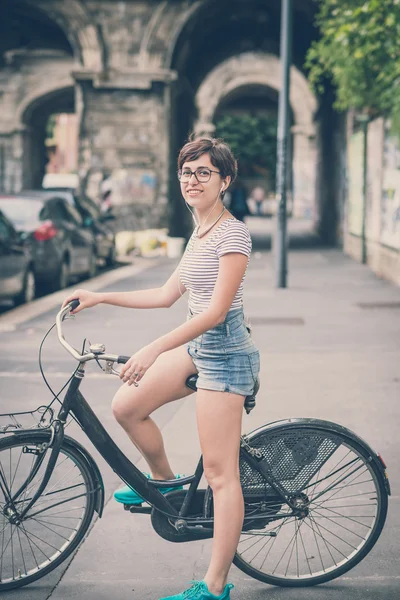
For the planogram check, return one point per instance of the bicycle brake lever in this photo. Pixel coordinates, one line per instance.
(69, 316)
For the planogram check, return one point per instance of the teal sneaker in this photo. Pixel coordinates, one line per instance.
(199, 591)
(127, 495)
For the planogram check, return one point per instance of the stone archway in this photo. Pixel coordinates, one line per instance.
(262, 69)
(77, 24)
(39, 83)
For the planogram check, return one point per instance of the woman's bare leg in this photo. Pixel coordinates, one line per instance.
(164, 382)
(219, 418)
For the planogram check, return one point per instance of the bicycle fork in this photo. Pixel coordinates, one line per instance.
(56, 440)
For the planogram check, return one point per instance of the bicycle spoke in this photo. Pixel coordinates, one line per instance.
(39, 512)
(43, 541)
(340, 516)
(30, 545)
(341, 476)
(339, 524)
(26, 532)
(22, 552)
(16, 468)
(319, 527)
(41, 502)
(271, 545)
(305, 553)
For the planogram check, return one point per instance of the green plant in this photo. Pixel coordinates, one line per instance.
(253, 141)
(359, 50)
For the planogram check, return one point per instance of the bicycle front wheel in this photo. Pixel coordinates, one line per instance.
(33, 546)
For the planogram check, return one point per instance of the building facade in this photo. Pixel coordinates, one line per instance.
(141, 75)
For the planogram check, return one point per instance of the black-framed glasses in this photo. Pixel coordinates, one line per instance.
(202, 174)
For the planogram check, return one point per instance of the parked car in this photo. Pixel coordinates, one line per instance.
(60, 246)
(94, 219)
(17, 281)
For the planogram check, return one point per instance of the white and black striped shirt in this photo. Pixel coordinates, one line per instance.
(199, 266)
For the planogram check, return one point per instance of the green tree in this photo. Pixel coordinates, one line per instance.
(359, 49)
(253, 142)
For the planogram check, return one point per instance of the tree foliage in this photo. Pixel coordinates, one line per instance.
(359, 49)
(253, 142)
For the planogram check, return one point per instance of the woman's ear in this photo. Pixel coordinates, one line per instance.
(227, 182)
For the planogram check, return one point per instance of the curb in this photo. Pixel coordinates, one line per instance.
(16, 316)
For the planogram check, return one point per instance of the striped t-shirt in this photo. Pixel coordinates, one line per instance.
(199, 267)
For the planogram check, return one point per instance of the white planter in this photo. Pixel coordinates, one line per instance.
(175, 246)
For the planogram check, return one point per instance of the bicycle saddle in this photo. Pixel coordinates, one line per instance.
(249, 402)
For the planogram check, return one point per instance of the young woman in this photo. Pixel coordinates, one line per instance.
(214, 341)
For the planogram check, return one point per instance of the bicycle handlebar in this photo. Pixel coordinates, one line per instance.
(61, 315)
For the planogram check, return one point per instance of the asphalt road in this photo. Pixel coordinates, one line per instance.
(339, 362)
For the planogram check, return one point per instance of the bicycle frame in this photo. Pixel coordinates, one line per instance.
(75, 404)
(149, 489)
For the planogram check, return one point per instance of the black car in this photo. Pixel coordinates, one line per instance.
(60, 245)
(17, 281)
(94, 219)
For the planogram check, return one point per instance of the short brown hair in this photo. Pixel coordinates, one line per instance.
(219, 152)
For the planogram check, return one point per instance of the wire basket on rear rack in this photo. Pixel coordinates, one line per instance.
(40, 418)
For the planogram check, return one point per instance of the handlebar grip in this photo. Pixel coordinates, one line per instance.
(122, 359)
(74, 303)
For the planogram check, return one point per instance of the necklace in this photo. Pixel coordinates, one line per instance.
(203, 233)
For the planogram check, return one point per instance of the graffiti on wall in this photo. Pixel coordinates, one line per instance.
(390, 204)
(133, 186)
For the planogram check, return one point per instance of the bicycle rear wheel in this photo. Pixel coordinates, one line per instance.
(59, 519)
(340, 496)
(342, 499)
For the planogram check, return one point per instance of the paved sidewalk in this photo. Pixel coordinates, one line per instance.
(323, 356)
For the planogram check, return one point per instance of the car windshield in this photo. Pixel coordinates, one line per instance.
(22, 211)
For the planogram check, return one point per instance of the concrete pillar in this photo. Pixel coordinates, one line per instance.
(11, 161)
(124, 139)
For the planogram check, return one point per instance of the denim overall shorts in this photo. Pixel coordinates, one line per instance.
(226, 357)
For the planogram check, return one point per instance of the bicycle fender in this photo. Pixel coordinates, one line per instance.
(335, 428)
(99, 497)
(71, 442)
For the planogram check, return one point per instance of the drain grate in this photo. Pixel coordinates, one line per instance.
(276, 320)
(372, 305)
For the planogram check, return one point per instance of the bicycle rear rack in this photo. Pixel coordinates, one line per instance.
(40, 418)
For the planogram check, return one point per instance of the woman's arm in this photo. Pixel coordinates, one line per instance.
(161, 297)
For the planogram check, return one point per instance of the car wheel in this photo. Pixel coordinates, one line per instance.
(28, 292)
(62, 278)
(93, 265)
(112, 256)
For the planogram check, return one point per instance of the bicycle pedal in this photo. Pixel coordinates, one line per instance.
(138, 508)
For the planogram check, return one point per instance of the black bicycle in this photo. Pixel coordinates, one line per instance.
(316, 495)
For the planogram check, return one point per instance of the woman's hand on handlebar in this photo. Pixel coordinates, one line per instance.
(133, 371)
(86, 300)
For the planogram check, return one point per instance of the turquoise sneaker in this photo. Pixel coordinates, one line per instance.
(127, 495)
(199, 591)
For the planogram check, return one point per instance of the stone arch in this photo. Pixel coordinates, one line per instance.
(84, 36)
(252, 68)
(261, 69)
(39, 96)
(33, 114)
